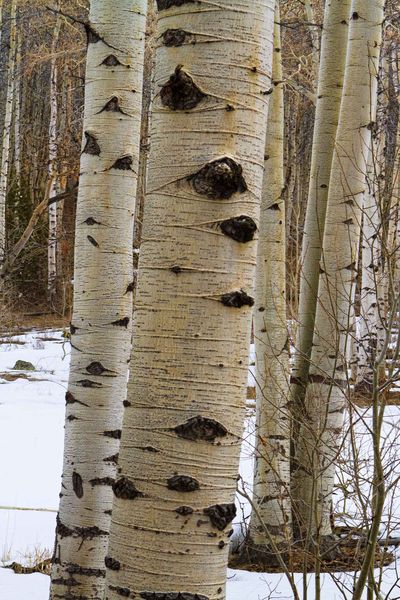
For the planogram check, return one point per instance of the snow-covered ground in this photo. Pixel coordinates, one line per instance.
(31, 440)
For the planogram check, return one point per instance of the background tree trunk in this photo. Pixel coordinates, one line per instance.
(100, 329)
(174, 494)
(271, 490)
(321, 428)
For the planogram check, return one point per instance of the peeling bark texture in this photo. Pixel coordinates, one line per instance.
(205, 168)
(103, 272)
(271, 490)
(319, 439)
(6, 134)
(330, 87)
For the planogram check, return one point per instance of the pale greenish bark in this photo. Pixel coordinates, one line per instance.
(271, 489)
(101, 322)
(6, 137)
(321, 428)
(179, 455)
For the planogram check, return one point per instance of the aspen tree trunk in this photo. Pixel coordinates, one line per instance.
(271, 490)
(17, 113)
(178, 464)
(100, 329)
(53, 176)
(330, 84)
(315, 40)
(320, 433)
(5, 146)
(372, 330)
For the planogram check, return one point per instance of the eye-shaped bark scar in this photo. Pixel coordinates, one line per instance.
(201, 428)
(180, 92)
(219, 179)
(241, 229)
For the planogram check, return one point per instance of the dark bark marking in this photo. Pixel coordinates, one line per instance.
(237, 299)
(70, 399)
(74, 569)
(130, 287)
(86, 383)
(112, 564)
(96, 368)
(165, 4)
(221, 514)
(348, 222)
(77, 484)
(221, 544)
(176, 269)
(241, 229)
(172, 596)
(92, 36)
(180, 92)
(72, 329)
(175, 37)
(184, 510)
(116, 434)
(355, 16)
(124, 592)
(101, 481)
(201, 428)
(72, 418)
(219, 179)
(90, 221)
(274, 206)
(351, 267)
(126, 403)
(108, 512)
(81, 532)
(111, 61)
(112, 106)
(121, 322)
(125, 489)
(71, 582)
(92, 146)
(183, 483)
(124, 163)
(112, 459)
(150, 449)
(92, 241)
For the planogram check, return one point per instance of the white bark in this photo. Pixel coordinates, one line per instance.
(181, 435)
(330, 87)
(271, 490)
(6, 137)
(53, 175)
(100, 329)
(320, 433)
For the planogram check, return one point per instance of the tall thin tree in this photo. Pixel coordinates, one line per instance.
(100, 329)
(320, 431)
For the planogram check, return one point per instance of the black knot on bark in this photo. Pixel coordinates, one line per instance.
(112, 105)
(180, 92)
(219, 179)
(77, 484)
(184, 510)
(175, 37)
(87, 383)
(125, 489)
(111, 61)
(201, 428)
(91, 34)
(70, 398)
(95, 368)
(115, 434)
(91, 221)
(237, 299)
(123, 592)
(183, 483)
(121, 322)
(112, 564)
(93, 241)
(123, 164)
(176, 269)
(241, 229)
(164, 4)
(221, 514)
(92, 145)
